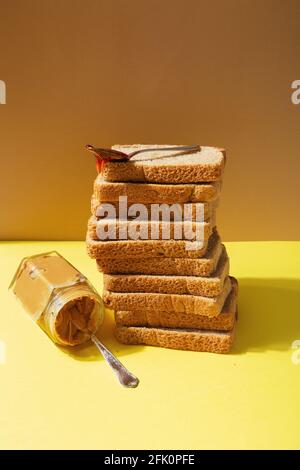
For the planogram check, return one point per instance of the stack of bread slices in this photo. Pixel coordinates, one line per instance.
(166, 288)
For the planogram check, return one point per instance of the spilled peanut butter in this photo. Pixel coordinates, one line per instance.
(77, 321)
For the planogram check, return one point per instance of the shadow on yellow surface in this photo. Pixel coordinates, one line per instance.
(269, 315)
(89, 352)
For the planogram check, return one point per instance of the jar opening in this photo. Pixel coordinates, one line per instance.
(77, 320)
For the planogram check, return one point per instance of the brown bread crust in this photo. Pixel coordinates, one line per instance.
(195, 285)
(105, 191)
(188, 340)
(142, 249)
(223, 322)
(198, 305)
(184, 266)
(152, 171)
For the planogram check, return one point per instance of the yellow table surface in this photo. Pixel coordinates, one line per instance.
(250, 398)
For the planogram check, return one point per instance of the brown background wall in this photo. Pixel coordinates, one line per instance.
(103, 72)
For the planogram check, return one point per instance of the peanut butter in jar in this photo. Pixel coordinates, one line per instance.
(58, 298)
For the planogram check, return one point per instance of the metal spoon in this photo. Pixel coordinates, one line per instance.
(107, 154)
(126, 378)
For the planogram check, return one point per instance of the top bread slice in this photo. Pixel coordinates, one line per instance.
(162, 166)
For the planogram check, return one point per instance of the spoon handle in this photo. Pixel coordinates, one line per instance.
(126, 378)
(179, 148)
(108, 154)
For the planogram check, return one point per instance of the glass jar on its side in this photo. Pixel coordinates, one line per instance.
(59, 298)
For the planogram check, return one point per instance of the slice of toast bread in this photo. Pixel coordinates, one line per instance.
(203, 266)
(153, 229)
(154, 318)
(205, 209)
(194, 285)
(196, 304)
(205, 165)
(106, 191)
(188, 340)
(131, 249)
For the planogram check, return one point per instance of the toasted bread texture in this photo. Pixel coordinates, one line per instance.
(195, 285)
(184, 266)
(172, 167)
(155, 318)
(205, 210)
(189, 340)
(134, 249)
(114, 229)
(196, 304)
(106, 191)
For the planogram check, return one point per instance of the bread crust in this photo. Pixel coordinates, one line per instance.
(105, 191)
(155, 226)
(207, 165)
(153, 318)
(207, 209)
(135, 249)
(188, 340)
(183, 266)
(210, 286)
(195, 304)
